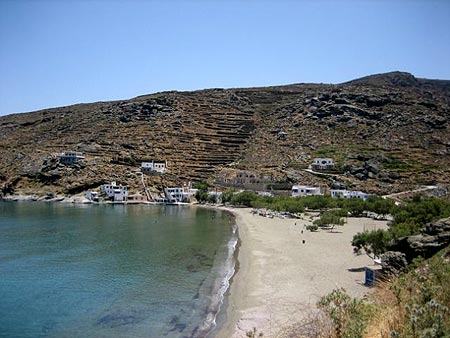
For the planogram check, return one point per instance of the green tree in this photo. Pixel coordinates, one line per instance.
(380, 206)
(227, 196)
(212, 198)
(329, 219)
(318, 202)
(373, 243)
(201, 196)
(355, 206)
(410, 217)
(201, 186)
(244, 198)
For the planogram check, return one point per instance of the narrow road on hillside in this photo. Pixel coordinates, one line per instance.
(428, 187)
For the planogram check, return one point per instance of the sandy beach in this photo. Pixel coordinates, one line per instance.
(280, 278)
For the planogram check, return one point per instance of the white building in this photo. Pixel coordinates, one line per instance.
(337, 193)
(154, 167)
(321, 163)
(175, 193)
(70, 157)
(304, 190)
(92, 196)
(118, 193)
(180, 194)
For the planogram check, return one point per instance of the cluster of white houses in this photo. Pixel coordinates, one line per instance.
(305, 190)
(119, 193)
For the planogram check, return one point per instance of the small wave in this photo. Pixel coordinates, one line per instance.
(221, 286)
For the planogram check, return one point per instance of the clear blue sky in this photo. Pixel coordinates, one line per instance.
(55, 53)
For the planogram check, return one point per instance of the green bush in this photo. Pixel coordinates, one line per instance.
(200, 186)
(329, 219)
(349, 316)
(410, 217)
(318, 202)
(380, 206)
(356, 206)
(244, 198)
(312, 228)
(373, 243)
(212, 199)
(201, 196)
(423, 295)
(227, 196)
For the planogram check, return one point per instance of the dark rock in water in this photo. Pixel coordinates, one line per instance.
(436, 236)
(178, 327)
(393, 262)
(120, 319)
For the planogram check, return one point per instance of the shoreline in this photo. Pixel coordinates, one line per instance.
(80, 200)
(216, 312)
(278, 279)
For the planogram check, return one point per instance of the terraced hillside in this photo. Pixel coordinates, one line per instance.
(386, 132)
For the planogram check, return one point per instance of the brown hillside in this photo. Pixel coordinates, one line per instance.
(387, 132)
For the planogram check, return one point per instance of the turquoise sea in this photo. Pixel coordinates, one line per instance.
(111, 270)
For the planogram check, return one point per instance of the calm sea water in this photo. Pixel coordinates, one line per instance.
(112, 271)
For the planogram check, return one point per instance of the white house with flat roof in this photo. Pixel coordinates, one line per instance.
(70, 157)
(322, 163)
(305, 190)
(118, 193)
(338, 193)
(153, 167)
(180, 194)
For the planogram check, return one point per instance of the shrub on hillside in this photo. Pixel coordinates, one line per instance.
(349, 316)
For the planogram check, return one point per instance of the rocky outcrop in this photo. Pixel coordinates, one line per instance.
(434, 237)
(437, 228)
(393, 262)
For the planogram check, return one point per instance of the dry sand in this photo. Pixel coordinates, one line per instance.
(280, 279)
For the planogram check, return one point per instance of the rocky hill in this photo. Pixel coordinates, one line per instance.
(386, 132)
